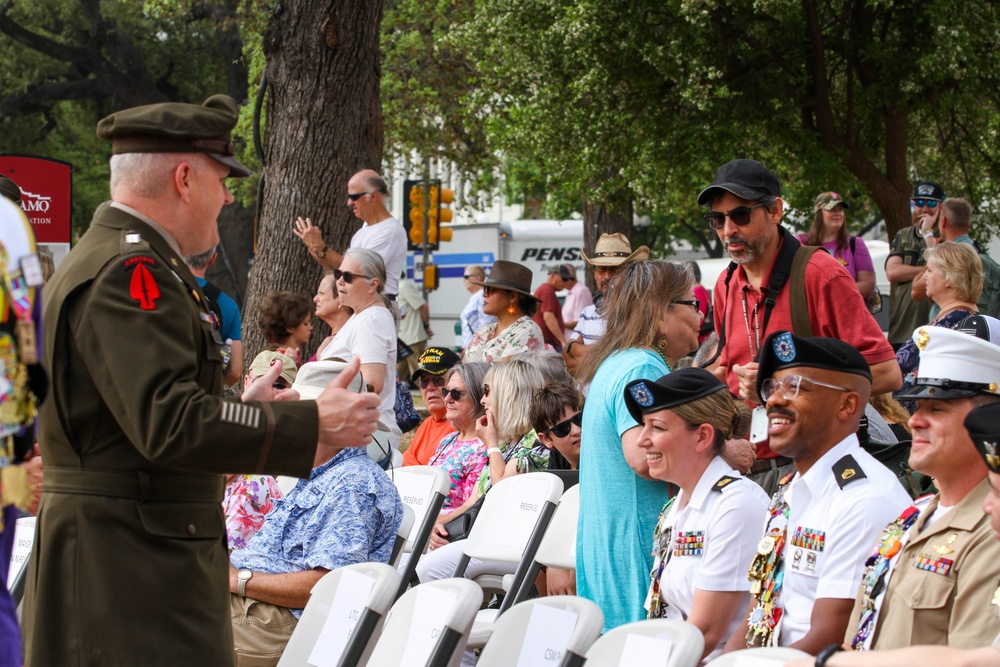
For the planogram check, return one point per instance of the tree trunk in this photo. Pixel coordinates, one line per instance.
(610, 218)
(324, 124)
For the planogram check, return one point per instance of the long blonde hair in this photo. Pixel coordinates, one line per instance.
(639, 298)
(513, 384)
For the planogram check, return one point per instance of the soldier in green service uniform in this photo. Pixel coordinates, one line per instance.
(130, 564)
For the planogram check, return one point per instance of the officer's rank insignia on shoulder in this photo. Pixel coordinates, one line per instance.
(142, 287)
(847, 470)
(724, 482)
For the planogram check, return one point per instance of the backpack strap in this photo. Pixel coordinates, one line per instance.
(798, 304)
(722, 322)
(853, 243)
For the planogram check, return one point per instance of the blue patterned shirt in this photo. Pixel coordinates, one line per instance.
(347, 512)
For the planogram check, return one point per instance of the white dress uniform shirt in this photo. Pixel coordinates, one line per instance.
(833, 522)
(722, 519)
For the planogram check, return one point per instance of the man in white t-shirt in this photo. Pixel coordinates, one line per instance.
(366, 196)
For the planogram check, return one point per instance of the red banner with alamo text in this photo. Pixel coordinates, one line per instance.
(46, 193)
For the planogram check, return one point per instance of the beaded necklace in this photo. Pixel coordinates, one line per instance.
(767, 571)
(879, 564)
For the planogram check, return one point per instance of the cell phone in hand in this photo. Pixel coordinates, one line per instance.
(758, 425)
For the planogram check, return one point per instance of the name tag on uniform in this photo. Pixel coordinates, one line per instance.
(807, 545)
(690, 543)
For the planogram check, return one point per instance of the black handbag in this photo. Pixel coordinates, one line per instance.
(460, 527)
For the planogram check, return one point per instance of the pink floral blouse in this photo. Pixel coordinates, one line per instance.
(463, 460)
(247, 501)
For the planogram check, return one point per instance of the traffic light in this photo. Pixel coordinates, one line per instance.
(431, 277)
(414, 194)
(417, 198)
(440, 198)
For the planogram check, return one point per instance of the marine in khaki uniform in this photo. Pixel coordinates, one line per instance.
(130, 564)
(932, 573)
(983, 425)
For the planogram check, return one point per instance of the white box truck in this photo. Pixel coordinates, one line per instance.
(537, 244)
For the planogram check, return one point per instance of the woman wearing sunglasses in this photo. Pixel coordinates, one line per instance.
(652, 321)
(512, 448)
(706, 537)
(829, 230)
(462, 454)
(506, 296)
(370, 333)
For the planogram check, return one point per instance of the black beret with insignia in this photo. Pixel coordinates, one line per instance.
(983, 424)
(784, 349)
(682, 386)
(175, 127)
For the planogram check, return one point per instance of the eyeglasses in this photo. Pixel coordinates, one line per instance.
(739, 215)
(425, 382)
(347, 276)
(355, 196)
(789, 386)
(562, 429)
(456, 394)
(925, 203)
(687, 302)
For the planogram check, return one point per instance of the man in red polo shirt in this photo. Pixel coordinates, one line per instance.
(745, 209)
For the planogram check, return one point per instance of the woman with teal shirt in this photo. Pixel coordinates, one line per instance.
(652, 322)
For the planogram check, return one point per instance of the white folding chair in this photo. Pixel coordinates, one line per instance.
(424, 489)
(286, 483)
(558, 547)
(678, 642)
(428, 626)
(402, 535)
(24, 538)
(779, 655)
(555, 630)
(345, 612)
(509, 528)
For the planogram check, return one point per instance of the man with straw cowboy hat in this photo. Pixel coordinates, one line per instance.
(612, 252)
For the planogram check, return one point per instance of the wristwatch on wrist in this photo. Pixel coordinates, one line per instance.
(242, 577)
(322, 253)
(825, 654)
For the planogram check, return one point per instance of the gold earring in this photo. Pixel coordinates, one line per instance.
(661, 344)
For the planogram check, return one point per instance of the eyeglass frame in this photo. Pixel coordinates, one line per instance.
(437, 380)
(694, 303)
(923, 202)
(566, 424)
(355, 196)
(739, 211)
(348, 276)
(770, 386)
(445, 392)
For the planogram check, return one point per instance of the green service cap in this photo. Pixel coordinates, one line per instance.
(174, 127)
(10, 190)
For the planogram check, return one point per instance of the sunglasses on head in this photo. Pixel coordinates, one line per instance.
(925, 203)
(739, 215)
(347, 276)
(355, 196)
(562, 429)
(456, 394)
(423, 382)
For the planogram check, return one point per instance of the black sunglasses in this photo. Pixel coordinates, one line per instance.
(739, 215)
(355, 196)
(347, 276)
(687, 302)
(423, 382)
(562, 429)
(928, 203)
(456, 394)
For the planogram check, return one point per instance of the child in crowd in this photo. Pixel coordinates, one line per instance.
(285, 318)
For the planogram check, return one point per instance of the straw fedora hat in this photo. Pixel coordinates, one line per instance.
(509, 276)
(615, 250)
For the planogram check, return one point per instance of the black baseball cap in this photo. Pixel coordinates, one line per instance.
(747, 179)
